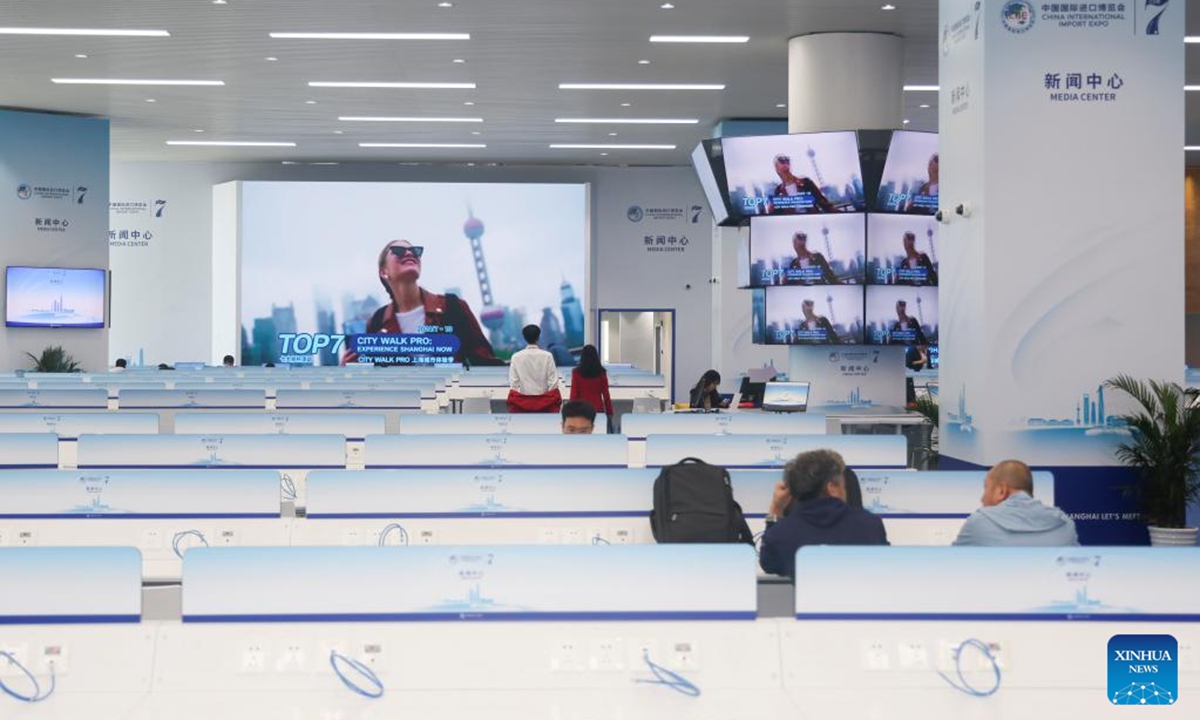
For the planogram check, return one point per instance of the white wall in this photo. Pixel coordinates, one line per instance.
(62, 153)
(163, 288)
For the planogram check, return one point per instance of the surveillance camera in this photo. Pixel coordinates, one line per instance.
(963, 210)
(687, 287)
(941, 217)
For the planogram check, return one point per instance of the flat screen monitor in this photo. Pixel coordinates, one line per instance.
(55, 297)
(898, 315)
(785, 397)
(807, 250)
(902, 250)
(818, 315)
(910, 175)
(794, 174)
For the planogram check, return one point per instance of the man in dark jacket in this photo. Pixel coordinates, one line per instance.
(809, 508)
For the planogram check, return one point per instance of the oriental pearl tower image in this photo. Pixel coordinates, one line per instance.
(492, 316)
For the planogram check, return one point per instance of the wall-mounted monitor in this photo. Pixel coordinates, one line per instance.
(793, 174)
(898, 315)
(55, 297)
(910, 176)
(902, 250)
(807, 250)
(816, 315)
(706, 162)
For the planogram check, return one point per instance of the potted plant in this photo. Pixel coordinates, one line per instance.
(1162, 450)
(925, 456)
(54, 360)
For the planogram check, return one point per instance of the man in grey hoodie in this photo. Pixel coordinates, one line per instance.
(1011, 516)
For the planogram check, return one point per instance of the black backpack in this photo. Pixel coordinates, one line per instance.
(693, 503)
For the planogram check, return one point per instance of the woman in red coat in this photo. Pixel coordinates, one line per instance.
(589, 382)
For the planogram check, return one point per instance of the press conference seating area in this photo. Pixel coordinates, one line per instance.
(241, 543)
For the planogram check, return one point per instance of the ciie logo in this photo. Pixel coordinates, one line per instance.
(24, 191)
(696, 210)
(1017, 16)
(1152, 26)
(80, 193)
(159, 206)
(635, 213)
(835, 357)
(1143, 670)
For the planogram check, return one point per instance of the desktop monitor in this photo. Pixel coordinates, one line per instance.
(785, 397)
(50, 297)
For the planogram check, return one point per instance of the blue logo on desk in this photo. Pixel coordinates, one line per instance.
(1143, 670)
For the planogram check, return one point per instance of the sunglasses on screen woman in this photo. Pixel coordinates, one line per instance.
(403, 251)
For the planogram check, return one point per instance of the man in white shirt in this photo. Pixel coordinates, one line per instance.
(533, 377)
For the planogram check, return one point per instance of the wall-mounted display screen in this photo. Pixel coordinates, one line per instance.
(910, 175)
(902, 250)
(817, 315)
(55, 297)
(810, 250)
(794, 174)
(899, 315)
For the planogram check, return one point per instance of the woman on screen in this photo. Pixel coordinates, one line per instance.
(413, 309)
(916, 260)
(805, 259)
(791, 185)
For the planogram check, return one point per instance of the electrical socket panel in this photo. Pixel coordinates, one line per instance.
(574, 536)
(253, 659)
(567, 656)
(622, 536)
(224, 537)
(607, 655)
(913, 655)
(640, 649)
(874, 655)
(292, 657)
(52, 659)
(19, 653)
(152, 539)
(353, 537)
(24, 538)
(426, 537)
(548, 536)
(373, 656)
(1189, 656)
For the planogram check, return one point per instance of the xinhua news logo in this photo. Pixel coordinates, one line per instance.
(1143, 670)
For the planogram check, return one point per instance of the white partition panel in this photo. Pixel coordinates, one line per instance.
(773, 451)
(204, 398)
(469, 583)
(70, 585)
(639, 426)
(356, 426)
(28, 450)
(69, 426)
(320, 399)
(84, 398)
(474, 451)
(480, 424)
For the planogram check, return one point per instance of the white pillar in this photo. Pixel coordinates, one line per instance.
(845, 81)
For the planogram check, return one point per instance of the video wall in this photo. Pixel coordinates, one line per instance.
(825, 271)
(410, 273)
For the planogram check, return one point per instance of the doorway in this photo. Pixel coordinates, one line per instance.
(642, 338)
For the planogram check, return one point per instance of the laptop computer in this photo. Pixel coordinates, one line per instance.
(786, 397)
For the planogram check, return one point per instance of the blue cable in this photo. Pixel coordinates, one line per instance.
(179, 536)
(289, 487)
(387, 531)
(599, 540)
(673, 680)
(962, 685)
(335, 657)
(37, 695)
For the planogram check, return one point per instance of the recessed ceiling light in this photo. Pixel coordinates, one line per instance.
(396, 85)
(459, 61)
(1191, 148)
(920, 88)
(638, 86)
(612, 134)
(338, 132)
(468, 103)
(88, 32)
(889, 6)
(923, 105)
(445, 146)
(575, 146)
(198, 130)
(626, 104)
(1192, 39)
(603, 154)
(231, 143)
(906, 122)
(1191, 88)
(272, 59)
(151, 100)
(780, 105)
(118, 81)
(476, 132)
(81, 57)
(372, 118)
(699, 38)
(445, 4)
(310, 102)
(220, 2)
(367, 36)
(643, 62)
(628, 121)
(667, 6)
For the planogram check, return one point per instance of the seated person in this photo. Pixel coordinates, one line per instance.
(853, 489)
(578, 418)
(705, 394)
(1011, 516)
(533, 377)
(809, 508)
